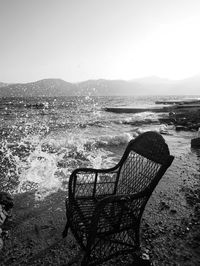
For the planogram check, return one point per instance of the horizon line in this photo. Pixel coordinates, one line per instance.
(108, 79)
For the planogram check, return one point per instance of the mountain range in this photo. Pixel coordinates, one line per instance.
(102, 87)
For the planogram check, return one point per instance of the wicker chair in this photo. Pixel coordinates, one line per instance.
(104, 206)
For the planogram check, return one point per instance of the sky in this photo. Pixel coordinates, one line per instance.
(77, 40)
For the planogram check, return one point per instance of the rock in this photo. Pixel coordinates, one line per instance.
(6, 200)
(173, 211)
(6, 204)
(1, 243)
(163, 205)
(195, 143)
(145, 256)
(2, 215)
(180, 127)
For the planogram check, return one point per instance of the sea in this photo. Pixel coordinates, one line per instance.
(42, 140)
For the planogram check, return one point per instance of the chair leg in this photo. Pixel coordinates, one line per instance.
(86, 258)
(65, 231)
(137, 236)
(84, 262)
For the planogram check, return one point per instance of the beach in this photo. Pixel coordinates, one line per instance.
(44, 144)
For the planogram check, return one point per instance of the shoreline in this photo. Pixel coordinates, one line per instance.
(170, 224)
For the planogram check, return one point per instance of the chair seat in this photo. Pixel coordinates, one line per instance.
(82, 211)
(111, 219)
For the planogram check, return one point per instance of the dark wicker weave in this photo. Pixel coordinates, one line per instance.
(104, 206)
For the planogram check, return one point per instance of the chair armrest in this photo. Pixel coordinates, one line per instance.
(88, 181)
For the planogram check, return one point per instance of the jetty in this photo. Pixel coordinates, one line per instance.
(160, 107)
(155, 109)
(180, 102)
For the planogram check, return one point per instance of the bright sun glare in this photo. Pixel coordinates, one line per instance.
(171, 51)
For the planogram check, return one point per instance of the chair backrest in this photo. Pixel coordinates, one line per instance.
(144, 162)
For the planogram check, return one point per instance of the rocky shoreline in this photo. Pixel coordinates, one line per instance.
(184, 120)
(170, 226)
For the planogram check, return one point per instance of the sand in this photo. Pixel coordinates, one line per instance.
(170, 232)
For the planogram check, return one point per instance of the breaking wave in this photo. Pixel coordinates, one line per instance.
(40, 147)
(44, 164)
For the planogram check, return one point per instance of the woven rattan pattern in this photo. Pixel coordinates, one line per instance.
(104, 206)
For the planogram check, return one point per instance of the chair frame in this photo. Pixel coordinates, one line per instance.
(103, 216)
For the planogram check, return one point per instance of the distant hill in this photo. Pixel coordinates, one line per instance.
(2, 84)
(109, 87)
(45, 87)
(58, 87)
(102, 87)
(153, 80)
(188, 86)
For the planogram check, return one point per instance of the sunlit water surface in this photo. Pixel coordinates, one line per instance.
(44, 139)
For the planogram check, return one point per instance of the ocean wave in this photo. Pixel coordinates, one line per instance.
(134, 120)
(112, 140)
(139, 119)
(44, 164)
(41, 157)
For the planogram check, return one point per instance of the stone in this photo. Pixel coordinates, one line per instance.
(2, 215)
(6, 204)
(173, 211)
(1, 243)
(6, 200)
(163, 205)
(195, 143)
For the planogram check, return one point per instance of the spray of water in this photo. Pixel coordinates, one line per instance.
(50, 160)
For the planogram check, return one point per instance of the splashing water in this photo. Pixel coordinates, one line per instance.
(40, 147)
(39, 169)
(47, 166)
